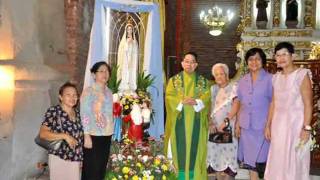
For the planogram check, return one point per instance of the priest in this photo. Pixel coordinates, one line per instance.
(186, 132)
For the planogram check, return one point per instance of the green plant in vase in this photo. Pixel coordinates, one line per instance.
(114, 83)
(144, 81)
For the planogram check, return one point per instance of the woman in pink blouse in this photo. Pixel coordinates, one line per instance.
(97, 121)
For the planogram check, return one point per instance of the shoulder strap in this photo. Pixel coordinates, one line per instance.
(214, 89)
(59, 119)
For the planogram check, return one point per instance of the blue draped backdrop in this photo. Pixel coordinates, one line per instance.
(98, 50)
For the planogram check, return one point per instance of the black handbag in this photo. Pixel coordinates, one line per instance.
(222, 137)
(49, 145)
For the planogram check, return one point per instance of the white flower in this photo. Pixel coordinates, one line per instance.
(146, 173)
(136, 114)
(115, 97)
(120, 157)
(114, 157)
(146, 115)
(144, 158)
(130, 157)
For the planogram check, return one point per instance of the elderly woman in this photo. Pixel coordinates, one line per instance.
(97, 120)
(63, 122)
(222, 158)
(254, 95)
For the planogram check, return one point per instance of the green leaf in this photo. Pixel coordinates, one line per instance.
(114, 83)
(144, 81)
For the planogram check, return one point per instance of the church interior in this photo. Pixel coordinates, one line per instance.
(44, 43)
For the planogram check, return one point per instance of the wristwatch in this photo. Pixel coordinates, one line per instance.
(307, 128)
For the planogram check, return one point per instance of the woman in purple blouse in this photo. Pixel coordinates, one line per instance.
(254, 96)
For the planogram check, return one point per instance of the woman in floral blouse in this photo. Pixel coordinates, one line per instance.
(97, 121)
(63, 122)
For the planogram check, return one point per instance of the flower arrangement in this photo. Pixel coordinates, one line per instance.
(139, 162)
(131, 110)
(127, 101)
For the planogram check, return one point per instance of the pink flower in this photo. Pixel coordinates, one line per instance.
(85, 120)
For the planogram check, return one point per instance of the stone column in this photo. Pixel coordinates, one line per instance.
(254, 14)
(317, 15)
(270, 14)
(283, 13)
(301, 13)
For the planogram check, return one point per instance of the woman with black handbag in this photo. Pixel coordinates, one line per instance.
(62, 122)
(222, 145)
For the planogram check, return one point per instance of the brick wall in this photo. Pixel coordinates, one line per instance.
(192, 35)
(195, 37)
(78, 18)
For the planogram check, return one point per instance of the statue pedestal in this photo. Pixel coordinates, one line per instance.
(261, 24)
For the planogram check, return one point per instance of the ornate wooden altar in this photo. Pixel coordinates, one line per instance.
(314, 66)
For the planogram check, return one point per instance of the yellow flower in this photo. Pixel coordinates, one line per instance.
(164, 177)
(135, 177)
(126, 176)
(138, 164)
(151, 177)
(164, 167)
(144, 178)
(114, 178)
(157, 162)
(126, 107)
(125, 170)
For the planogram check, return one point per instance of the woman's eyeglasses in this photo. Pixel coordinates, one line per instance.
(282, 55)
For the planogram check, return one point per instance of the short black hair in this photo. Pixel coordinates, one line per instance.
(254, 51)
(65, 86)
(284, 45)
(97, 65)
(195, 55)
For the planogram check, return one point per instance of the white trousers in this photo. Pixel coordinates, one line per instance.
(63, 170)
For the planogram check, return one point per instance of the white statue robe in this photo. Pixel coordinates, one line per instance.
(128, 64)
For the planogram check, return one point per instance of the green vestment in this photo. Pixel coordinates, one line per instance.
(187, 130)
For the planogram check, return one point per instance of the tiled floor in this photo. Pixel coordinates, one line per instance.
(241, 176)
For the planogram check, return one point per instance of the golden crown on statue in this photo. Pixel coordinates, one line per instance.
(216, 20)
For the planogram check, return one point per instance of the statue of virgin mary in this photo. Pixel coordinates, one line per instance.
(128, 60)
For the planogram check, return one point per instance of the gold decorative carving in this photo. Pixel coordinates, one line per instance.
(276, 10)
(243, 24)
(245, 14)
(277, 33)
(308, 13)
(248, 8)
(315, 51)
(271, 44)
